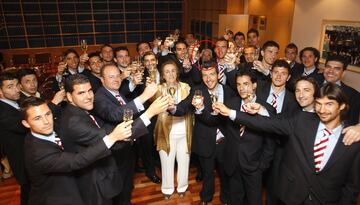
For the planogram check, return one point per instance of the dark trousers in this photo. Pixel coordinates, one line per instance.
(208, 164)
(146, 144)
(272, 177)
(245, 188)
(24, 194)
(125, 159)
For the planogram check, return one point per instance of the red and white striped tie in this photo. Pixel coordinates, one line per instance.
(119, 98)
(319, 149)
(242, 127)
(58, 142)
(221, 73)
(94, 120)
(274, 101)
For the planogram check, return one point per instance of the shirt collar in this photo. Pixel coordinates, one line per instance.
(333, 131)
(37, 94)
(50, 137)
(280, 94)
(337, 82)
(11, 103)
(112, 92)
(308, 72)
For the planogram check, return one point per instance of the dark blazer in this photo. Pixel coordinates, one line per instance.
(12, 134)
(338, 183)
(101, 181)
(204, 131)
(296, 73)
(108, 108)
(94, 81)
(354, 104)
(254, 150)
(50, 170)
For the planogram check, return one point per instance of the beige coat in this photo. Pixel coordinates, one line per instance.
(164, 122)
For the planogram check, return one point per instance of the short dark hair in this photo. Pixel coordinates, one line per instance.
(180, 42)
(94, 54)
(268, 44)
(338, 58)
(106, 45)
(28, 103)
(24, 72)
(210, 64)
(76, 79)
(168, 62)
(68, 51)
(310, 80)
(281, 63)
(253, 30)
(141, 42)
(247, 72)
(314, 51)
(291, 46)
(148, 53)
(120, 48)
(6, 76)
(334, 92)
(239, 34)
(222, 39)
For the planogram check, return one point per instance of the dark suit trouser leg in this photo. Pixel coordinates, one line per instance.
(207, 190)
(237, 191)
(224, 178)
(24, 194)
(271, 182)
(126, 164)
(147, 154)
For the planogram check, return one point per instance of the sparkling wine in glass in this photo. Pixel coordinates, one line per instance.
(172, 91)
(128, 114)
(83, 45)
(198, 96)
(214, 99)
(153, 73)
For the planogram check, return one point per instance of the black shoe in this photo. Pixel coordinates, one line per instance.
(154, 179)
(199, 177)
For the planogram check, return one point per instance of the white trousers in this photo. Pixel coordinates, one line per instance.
(178, 150)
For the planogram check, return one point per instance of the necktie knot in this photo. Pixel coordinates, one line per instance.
(327, 132)
(94, 120)
(58, 142)
(119, 98)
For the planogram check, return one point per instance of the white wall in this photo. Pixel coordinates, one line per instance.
(308, 16)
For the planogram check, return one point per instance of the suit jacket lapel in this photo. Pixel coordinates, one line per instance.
(336, 153)
(309, 141)
(111, 97)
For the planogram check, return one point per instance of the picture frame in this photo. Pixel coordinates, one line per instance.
(341, 38)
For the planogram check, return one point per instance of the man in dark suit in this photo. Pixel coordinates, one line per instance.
(95, 63)
(12, 133)
(335, 67)
(28, 84)
(102, 181)
(291, 53)
(49, 167)
(109, 106)
(248, 152)
(309, 57)
(276, 94)
(317, 168)
(209, 134)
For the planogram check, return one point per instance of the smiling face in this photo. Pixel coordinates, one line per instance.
(308, 59)
(107, 54)
(150, 61)
(95, 64)
(180, 51)
(328, 110)
(72, 61)
(249, 54)
(39, 119)
(253, 39)
(333, 71)
(210, 77)
(82, 96)
(143, 48)
(169, 74)
(290, 54)
(111, 78)
(221, 49)
(122, 58)
(304, 93)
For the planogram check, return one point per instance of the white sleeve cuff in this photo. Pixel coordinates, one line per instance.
(138, 104)
(107, 142)
(132, 86)
(145, 120)
(232, 115)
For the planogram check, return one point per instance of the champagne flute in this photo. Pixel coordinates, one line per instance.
(128, 114)
(152, 74)
(198, 96)
(83, 45)
(257, 54)
(172, 91)
(214, 99)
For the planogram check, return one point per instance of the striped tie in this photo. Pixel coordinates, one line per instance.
(94, 120)
(242, 127)
(119, 98)
(58, 142)
(274, 101)
(319, 149)
(221, 74)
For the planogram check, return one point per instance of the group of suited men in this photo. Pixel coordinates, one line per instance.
(59, 151)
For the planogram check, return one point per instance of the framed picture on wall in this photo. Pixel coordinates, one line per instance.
(341, 38)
